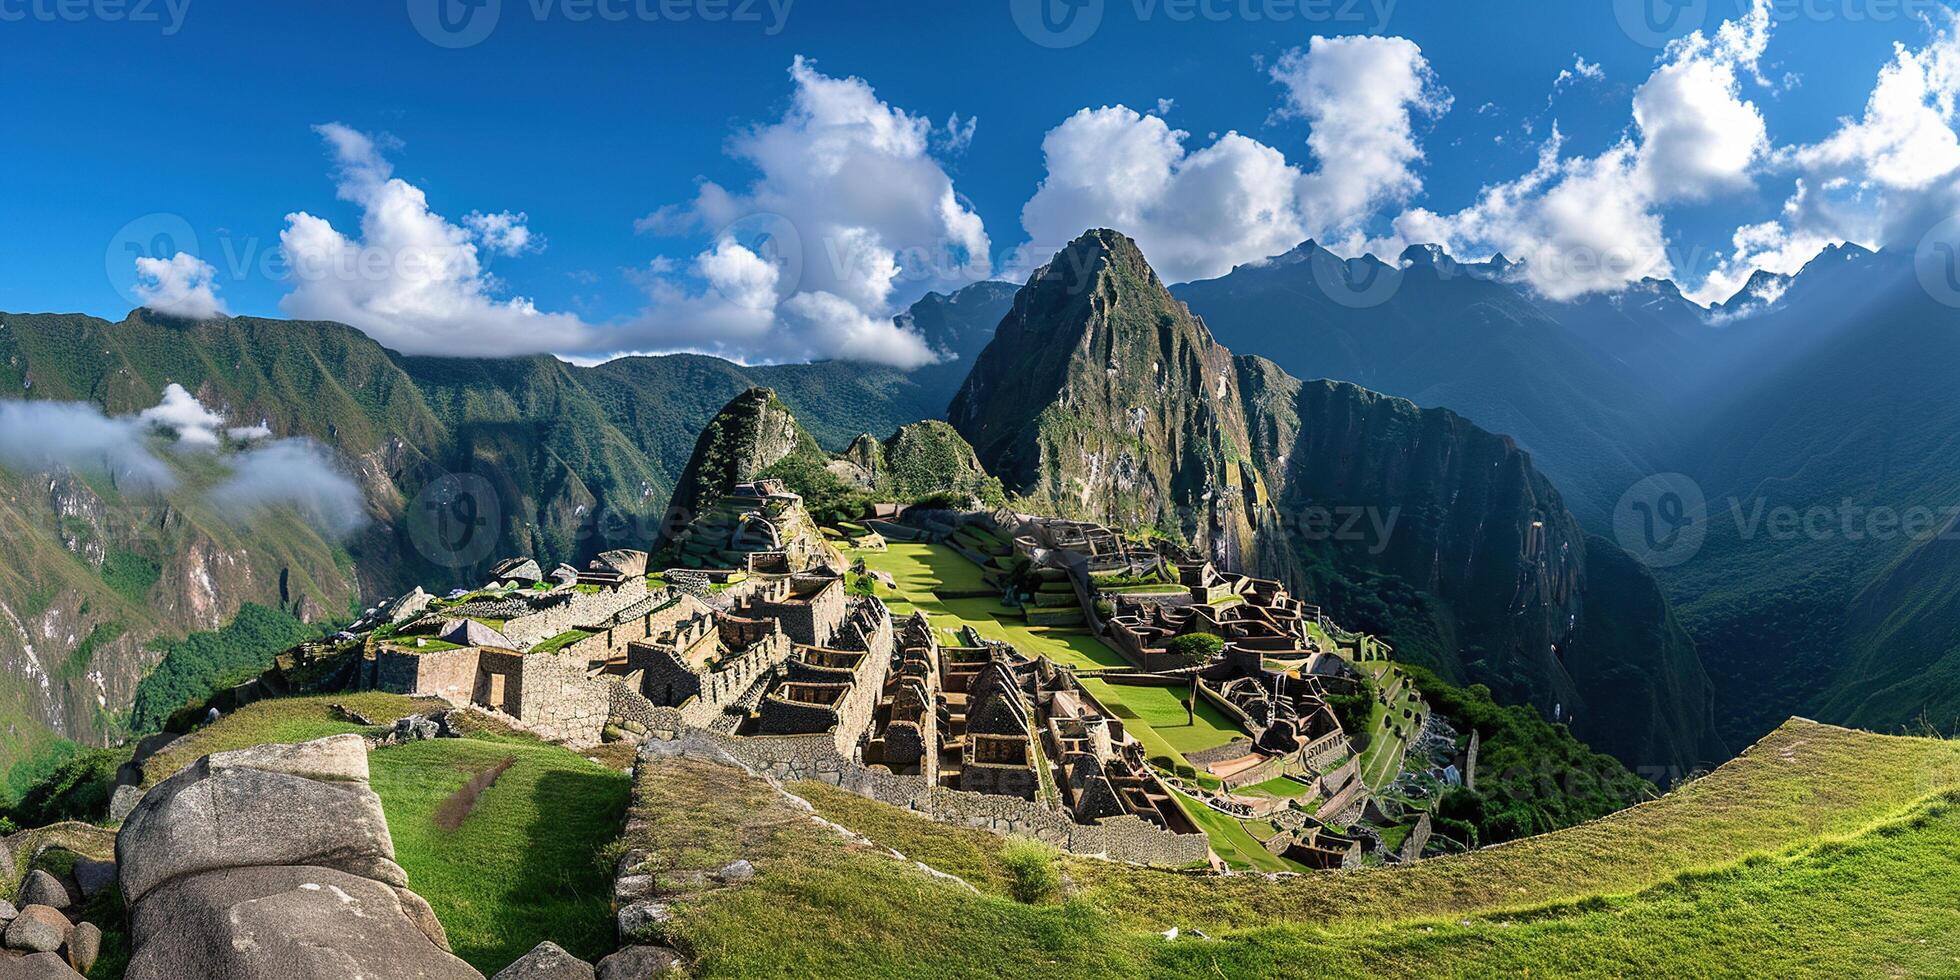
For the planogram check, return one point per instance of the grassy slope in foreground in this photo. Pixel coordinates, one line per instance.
(522, 867)
(1816, 851)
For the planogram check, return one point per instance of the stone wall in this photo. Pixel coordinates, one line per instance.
(575, 610)
(559, 702)
(788, 758)
(448, 674)
(1418, 839)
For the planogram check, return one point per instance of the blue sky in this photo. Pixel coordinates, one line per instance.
(207, 114)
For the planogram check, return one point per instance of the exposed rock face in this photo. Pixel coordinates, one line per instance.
(274, 862)
(43, 888)
(84, 946)
(640, 963)
(1517, 595)
(39, 966)
(38, 929)
(548, 961)
(1102, 397)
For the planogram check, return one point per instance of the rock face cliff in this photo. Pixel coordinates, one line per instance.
(1103, 397)
(1418, 525)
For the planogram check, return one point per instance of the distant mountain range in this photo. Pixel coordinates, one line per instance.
(1804, 391)
(1801, 392)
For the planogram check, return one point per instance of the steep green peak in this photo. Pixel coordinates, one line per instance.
(753, 432)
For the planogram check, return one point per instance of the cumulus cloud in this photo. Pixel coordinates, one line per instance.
(1697, 134)
(504, 233)
(181, 415)
(178, 286)
(851, 216)
(1358, 96)
(1198, 212)
(1882, 178)
(412, 279)
(294, 473)
(37, 436)
(1592, 224)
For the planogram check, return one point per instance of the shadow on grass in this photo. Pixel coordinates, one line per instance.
(576, 814)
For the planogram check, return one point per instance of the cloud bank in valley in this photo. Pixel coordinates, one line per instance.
(132, 450)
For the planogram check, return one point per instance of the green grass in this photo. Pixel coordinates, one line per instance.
(923, 569)
(1232, 841)
(1161, 709)
(522, 868)
(1821, 852)
(1381, 761)
(1281, 787)
(561, 641)
(282, 720)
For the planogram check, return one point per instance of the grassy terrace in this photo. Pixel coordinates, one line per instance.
(1160, 710)
(521, 868)
(1819, 852)
(921, 570)
(1381, 762)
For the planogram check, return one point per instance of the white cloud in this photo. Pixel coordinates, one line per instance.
(1197, 213)
(178, 286)
(1880, 179)
(1697, 134)
(504, 233)
(39, 436)
(850, 217)
(1592, 224)
(1358, 96)
(412, 280)
(296, 473)
(181, 415)
(1581, 68)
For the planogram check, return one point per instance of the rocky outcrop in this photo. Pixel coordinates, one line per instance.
(548, 961)
(274, 862)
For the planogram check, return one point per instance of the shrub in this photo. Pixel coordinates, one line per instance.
(1031, 869)
(1195, 648)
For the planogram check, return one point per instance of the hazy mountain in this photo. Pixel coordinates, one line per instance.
(1451, 335)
